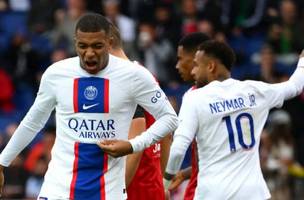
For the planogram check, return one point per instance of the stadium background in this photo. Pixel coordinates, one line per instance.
(265, 34)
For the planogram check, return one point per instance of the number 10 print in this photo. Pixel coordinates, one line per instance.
(240, 131)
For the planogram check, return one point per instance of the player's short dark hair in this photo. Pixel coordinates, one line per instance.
(93, 22)
(220, 51)
(117, 41)
(192, 41)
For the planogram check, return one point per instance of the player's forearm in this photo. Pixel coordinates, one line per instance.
(174, 164)
(138, 125)
(32, 123)
(132, 163)
(177, 152)
(167, 123)
(297, 78)
(2, 168)
(165, 151)
(20, 139)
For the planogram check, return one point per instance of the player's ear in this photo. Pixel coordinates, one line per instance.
(111, 41)
(211, 66)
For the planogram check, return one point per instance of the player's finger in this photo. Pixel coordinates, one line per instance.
(105, 146)
(173, 185)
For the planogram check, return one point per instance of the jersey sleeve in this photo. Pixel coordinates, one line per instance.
(184, 134)
(149, 95)
(276, 94)
(32, 123)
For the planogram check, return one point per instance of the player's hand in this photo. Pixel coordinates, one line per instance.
(176, 181)
(1, 180)
(116, 148)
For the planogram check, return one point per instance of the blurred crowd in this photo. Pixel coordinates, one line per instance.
(265, 34)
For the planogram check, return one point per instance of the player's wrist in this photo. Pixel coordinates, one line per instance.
(301, 62)
(182, 174)
(166, 183)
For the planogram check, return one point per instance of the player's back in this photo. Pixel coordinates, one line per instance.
(231, 115)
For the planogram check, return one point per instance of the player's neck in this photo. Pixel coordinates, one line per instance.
(222, 74)
(222, 77)
(119, 53)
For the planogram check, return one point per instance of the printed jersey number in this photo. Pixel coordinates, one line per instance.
(241, 131)
(156, 148)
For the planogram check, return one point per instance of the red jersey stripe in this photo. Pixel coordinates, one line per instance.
(75, 168)
(102, 178)
(106, 96)
(75, 95)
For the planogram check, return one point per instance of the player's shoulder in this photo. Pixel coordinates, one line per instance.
(193, 93)
(118, 62)
(67, 64)
(140, 71)
(258, 86)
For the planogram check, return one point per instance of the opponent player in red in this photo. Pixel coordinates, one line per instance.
(144, 169)
(185, 54)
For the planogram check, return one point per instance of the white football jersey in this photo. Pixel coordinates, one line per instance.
(89, 108)
(227, 119)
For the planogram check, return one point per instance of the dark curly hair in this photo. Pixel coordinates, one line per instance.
(93, 22)
(220, 51)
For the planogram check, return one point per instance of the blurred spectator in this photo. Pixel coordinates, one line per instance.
(35, 179)
(155, 52)
(296, 109)
(267, 67)
(41, 149)
(42, 15)
(63, 34)
(211, 10)
(19, 5)
(280, 156)
(7, 92)
(3, 5)
(284, 33)
(59, 54)
(15, 178)
(143, 10)
(168, 25)
(94, 6)
(207, 27)
(189, 12)
(126, 25)
(25, 61)
(246, 15)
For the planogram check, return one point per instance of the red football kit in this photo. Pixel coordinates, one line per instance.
(148, 181)
(190, 190)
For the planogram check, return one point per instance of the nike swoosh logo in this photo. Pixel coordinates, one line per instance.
(85, 107)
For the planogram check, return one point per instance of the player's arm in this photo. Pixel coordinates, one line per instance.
(297, 78)
(146, 93)
(138, 125)
(150, 96)
(165, 145)
(32, 123)
(288, 89)
(183, 137)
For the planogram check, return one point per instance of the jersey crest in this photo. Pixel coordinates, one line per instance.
(91, 95)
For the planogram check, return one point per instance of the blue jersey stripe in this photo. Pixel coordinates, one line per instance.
(90, 171)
